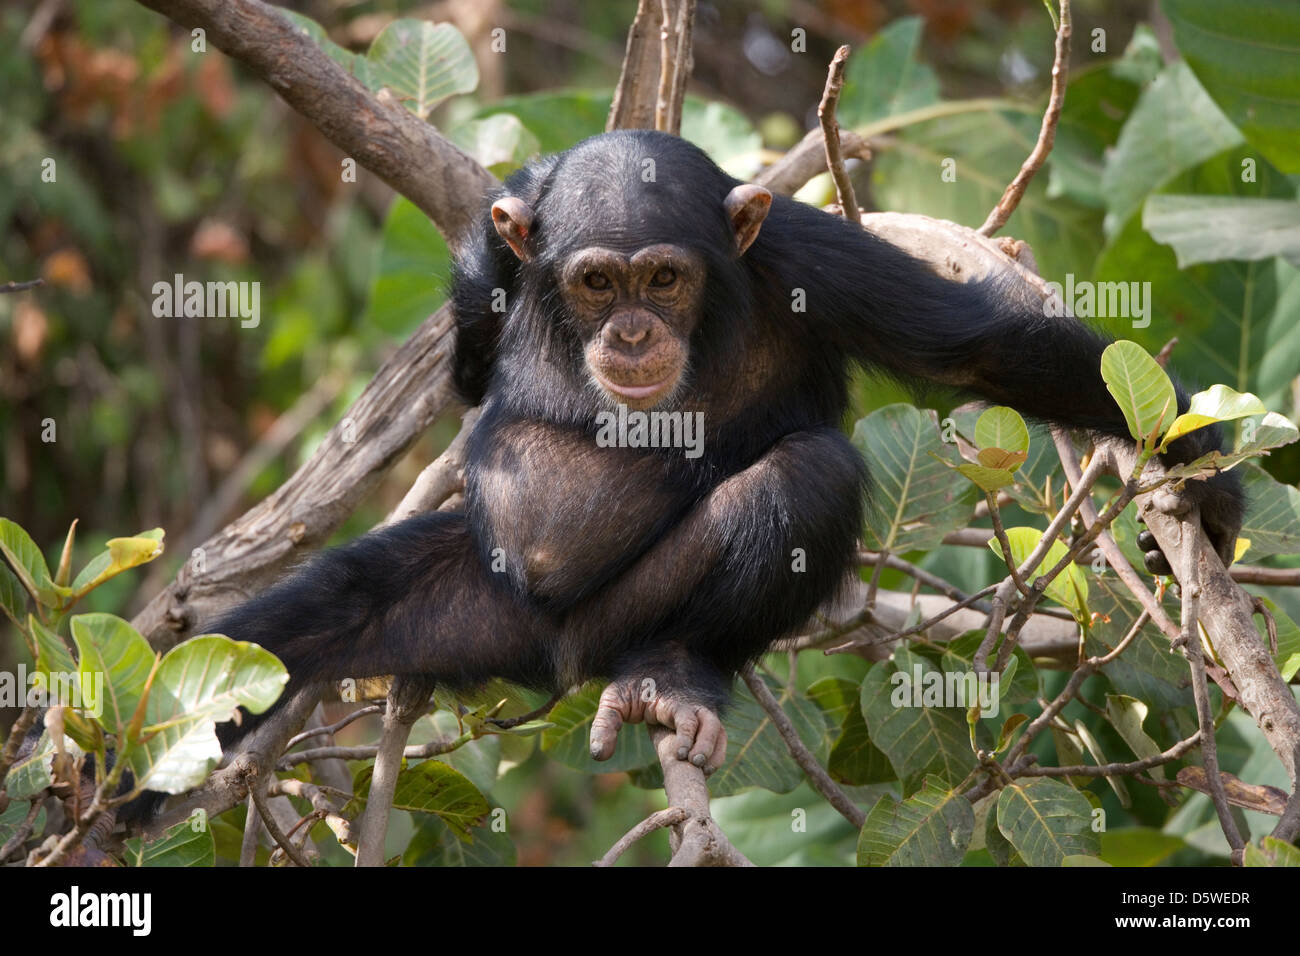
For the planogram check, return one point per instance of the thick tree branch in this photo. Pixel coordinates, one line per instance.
(408, 699)
(696, 841)
(406, 395)
(806, 159)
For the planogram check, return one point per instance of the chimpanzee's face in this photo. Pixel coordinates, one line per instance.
(634, 305)
(635, 313)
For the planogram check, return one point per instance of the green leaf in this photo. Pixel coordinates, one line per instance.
(1126, 714)
(1213, 228)
(52, 653)
(854, 759)
(115, 657)
(932, 827)
(1235, 320)
(1018, 684)
(1138, 846)
(422, 64)
(1002, 852)
(1141, 388)
(1046, 821)
(1258, 435)
(1098, 755)
(1271, 851)
(885, 78)
(918, 740)
(181, 846)
(1245, 54)
(1174, 126)
(436, 844)
(414, 266)
(569, 740)
(1147, 670)
(32, 774)
(434, 787)
(557, 119)
(13, 596)
(1002, 427)
(1272, 524)
(1219, 403)
(725, 133)
(757, 755)
(915, 498)
(1008, 731)
(500, 142)
(122, 554)
(28, 563)
(1069, 588)
(199, 683)
(12, 818)
(988, 479)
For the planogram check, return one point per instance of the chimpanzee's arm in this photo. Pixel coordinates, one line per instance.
(700, 604)
(871, 300)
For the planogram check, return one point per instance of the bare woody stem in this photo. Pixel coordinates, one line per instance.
(831, 135)
(1000, 213)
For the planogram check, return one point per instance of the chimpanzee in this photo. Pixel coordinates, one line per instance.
(631, 271)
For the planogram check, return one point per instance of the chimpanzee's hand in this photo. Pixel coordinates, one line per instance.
(700, 736)
(1220, 498)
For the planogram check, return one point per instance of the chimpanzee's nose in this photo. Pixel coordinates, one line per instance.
(632, 336)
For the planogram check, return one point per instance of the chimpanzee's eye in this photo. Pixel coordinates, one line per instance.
(596, 280)
(664, 277)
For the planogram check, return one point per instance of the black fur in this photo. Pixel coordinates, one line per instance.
(634, 563)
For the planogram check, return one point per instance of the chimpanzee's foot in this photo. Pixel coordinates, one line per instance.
(700, 736)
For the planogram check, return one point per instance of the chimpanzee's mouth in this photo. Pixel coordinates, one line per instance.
(633, 392)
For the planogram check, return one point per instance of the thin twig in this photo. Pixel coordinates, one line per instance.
(366, 752)
(335, 727)
(1000, 213)
(1254, 574)
(831, 135)
(21, 286)
(656, 821)
(1115, 769)
(26, 717)
(258, 794)
(921, 575)
(1000, 533)
(505, 723)
(662, 104)
(1190, 644)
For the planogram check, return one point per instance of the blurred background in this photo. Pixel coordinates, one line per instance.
(175, 163)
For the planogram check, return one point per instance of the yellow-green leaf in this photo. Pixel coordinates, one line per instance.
(1002, 427)
(1141, 388)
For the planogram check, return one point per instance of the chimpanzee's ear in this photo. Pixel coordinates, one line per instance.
(514, 223)
(747, 207)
